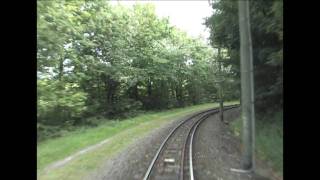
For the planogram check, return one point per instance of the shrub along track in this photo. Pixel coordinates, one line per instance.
(217, 150)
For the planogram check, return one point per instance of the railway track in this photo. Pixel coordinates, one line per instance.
(173, 160)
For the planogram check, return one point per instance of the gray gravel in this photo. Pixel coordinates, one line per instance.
(216, 151)
(132, 163)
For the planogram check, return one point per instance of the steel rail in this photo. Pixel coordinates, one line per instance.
(151, 166)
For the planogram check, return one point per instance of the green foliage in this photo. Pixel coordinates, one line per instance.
(267, 36)
(44, 131)
(269, 138)
(56, 149)
(58, 103)
(97, 59)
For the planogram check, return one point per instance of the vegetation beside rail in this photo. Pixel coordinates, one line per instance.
(269, 138)
(56, 149)
(100, 61)
(266, 26)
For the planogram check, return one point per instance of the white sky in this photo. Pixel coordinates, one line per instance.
(186, 15)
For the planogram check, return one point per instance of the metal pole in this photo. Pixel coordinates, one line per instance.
(220, 87)
(247, 87)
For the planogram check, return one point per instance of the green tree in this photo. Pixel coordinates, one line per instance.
(98, 59)
(266, 23)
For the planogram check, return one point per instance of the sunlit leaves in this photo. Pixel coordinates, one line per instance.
(93, 57)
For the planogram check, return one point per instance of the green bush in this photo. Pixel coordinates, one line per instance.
(93, 121)
(124, 108)
(45, 132)
(269, 137)
(59, 103)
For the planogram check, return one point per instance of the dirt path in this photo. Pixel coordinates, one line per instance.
(64, 161)
(217, 151)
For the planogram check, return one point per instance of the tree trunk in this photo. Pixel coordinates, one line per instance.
(148, 100)
(220, 86)
(111, 86)
(221, 104)
(179, 95)
(134, 93)
(60, 75)
(149, 88)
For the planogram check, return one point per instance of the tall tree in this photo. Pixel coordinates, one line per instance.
(266, 30)
(97, 59)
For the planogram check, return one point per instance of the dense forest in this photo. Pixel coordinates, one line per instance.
(267, 41)
(99, 61)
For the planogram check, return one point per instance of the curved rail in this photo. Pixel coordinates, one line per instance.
(151, 166)
(166, 139)
(194, 129)
(186, 143)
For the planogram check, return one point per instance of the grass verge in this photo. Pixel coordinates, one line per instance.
(269, 139)
(121, 134)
